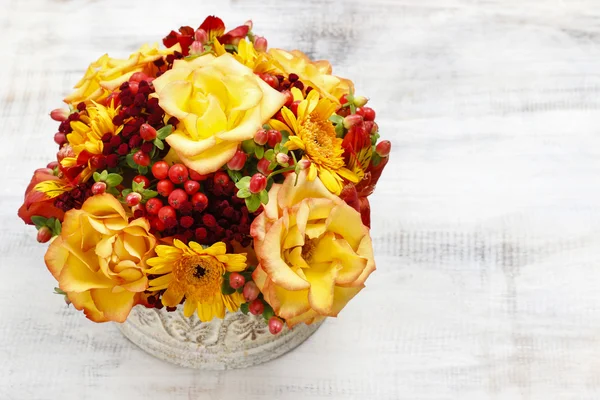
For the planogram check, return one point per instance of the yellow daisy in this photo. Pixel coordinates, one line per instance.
(313, 133)
(196, 273)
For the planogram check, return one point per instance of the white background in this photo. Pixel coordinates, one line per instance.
(486, 223)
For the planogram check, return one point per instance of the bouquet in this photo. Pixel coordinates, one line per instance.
(214, 174)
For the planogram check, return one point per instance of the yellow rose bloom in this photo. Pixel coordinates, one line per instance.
(313, 250)
(106, 74)
(316, 74)
(195, 274)
(99, 259)
(219, 103)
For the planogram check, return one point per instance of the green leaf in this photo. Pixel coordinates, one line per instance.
(336, 119)
(253, 203)
(125, 192)
(234, 175)
(225, 288)
(114, 180)
(272, 165)
(248, 146)
(113, 191)
(374, 138)
(104, 175)
(39, 221)
(243, 183)
(57, 227)
(148, 194)
(159, 143)
(259, 152)
(268, 312)
(163, 132)
(285, 136)
(244, 193)
(339, 130)
(96, 176)
(142, 170)
(59, 291)
(264, 197)
(244, 308)
(130, 162)
(270, 154)
(375, 159)
(137, 186)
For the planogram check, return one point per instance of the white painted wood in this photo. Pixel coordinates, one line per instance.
(486, 223)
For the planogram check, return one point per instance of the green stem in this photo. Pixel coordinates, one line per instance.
(281, 171)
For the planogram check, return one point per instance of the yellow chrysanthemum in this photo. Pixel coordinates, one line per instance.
(196, 274)
(87, 134)
(312, 132)
(246, 54)
(106, 74)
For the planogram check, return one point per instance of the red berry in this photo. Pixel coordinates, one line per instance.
(98, 188)
(147, 132)
(261, 137)
(352, 120)
(256, 307)
(138, 77)
(165, 187)
(141, 158)
(201, 234)
(44, 234)
(177, 198)
(383, 148)
(59, 114)
(98, 161)
(209, 220)
(368, 113)
(134, 87)
(251, 291)
(186, 221)
(199, 201)
(157, 224)
(369, 125)
(270, 80)
(289, 98)
(191, 187)
(133, 199)
(178, 173)
(153, 205)
(166, 212)
(60, 138)
(260, 43)
(236, 280)
(294, 107)
(113, 99)
(344, 99)
(142, 179)
(274, 137)
(221, 178)
(263, 166)
(160, 170)
(196, 176)
(275, 325)
(238, 161)
(258, 183)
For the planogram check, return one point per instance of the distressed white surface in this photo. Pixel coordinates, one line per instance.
(486, 222)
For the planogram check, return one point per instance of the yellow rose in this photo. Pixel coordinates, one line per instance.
(99, 259)
(106, 74)
(316, 74)
(313, 250)
(219, 103)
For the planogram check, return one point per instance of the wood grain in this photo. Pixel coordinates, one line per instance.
(486, 223)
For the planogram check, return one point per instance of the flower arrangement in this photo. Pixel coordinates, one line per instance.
(213, 174)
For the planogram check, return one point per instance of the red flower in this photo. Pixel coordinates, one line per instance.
(39, 203)
(215, 29)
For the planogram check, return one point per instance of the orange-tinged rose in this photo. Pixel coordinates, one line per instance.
(219, 103)
(314, 252)
(99, 259)
(316, 74)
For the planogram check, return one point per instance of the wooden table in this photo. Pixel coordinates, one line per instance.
(486, 223)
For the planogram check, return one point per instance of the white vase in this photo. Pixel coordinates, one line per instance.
(238, 341)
